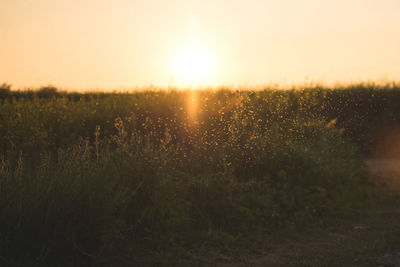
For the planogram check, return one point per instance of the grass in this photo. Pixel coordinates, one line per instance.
(359, 240)
(57, 119)
(113, 179)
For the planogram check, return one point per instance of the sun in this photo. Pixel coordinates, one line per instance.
(193, 65)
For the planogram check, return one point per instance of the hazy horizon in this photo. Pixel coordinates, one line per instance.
(118, 44)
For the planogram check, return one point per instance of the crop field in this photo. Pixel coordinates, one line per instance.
(103, 179)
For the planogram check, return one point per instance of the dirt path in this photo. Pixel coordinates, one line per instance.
(385, 173)
(378, 165)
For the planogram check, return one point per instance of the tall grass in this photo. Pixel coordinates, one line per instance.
(98, 179)
(47, 119)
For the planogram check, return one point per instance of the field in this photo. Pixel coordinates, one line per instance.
(121, 179)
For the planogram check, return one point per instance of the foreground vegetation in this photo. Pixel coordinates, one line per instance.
(102, 179)
(363, 240)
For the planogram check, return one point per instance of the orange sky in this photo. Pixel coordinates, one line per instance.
(112, 44)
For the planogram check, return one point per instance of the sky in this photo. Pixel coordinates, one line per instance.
(114, 44)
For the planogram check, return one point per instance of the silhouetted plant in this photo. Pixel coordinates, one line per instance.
(5, 90)
(47, 92)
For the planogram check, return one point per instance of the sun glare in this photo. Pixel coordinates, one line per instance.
(193, 65)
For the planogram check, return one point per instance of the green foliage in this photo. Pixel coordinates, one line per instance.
(84, 204)
(49, 119)
(95, 178)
